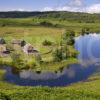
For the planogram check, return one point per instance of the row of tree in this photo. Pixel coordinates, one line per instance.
(61, 15)
(66, 48)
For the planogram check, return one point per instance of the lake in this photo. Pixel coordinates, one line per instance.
(89, 63)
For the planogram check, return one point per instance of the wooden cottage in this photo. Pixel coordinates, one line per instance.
(2, 41)
(18, 42)
(4, 50)
(29, 49)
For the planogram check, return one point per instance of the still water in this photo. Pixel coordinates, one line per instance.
(89, 63)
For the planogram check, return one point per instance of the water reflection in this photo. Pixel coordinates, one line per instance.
(68, 75)
(89, 47)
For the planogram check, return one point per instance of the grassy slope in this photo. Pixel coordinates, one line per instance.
(76, 26)
(86, 90)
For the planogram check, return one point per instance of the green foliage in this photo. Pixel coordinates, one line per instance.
(66, 49)
(44, 23)
(1, 60)
(85, 31)
(47, 43)
(71, 52)
(59, 15)
(58, 55)
(38, 59)
(2, 72)
(17, 60)
(68, 38)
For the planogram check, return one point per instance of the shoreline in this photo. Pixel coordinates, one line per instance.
(49, 66)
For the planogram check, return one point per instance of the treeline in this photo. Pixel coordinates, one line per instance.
(61, 15)
(18, 14)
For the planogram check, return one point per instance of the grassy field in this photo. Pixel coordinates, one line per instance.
(34, 35)
(29, 22)
(86, 90)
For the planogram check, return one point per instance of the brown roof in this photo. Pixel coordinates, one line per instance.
(17, 41)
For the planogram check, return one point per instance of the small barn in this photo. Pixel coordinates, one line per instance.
(29, 49)
(18, 42)
(2, 41)
(4, 50)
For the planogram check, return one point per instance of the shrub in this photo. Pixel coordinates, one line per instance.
(47, 43)
(44, 23)
(68, 38)
(85, 31)
(17, 60)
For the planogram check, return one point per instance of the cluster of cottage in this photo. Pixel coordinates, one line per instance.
(26, 47)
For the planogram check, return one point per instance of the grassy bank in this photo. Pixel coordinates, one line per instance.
(50, 66)
(86, 90)
(1, 74)
(54, 66)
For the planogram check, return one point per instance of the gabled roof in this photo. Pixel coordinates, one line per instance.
(17, 41)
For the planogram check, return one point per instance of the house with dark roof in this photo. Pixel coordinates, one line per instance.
(18, 42)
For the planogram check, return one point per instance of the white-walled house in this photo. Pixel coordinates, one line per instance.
(29, 49)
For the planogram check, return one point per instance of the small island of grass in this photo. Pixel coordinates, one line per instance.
(48, 55)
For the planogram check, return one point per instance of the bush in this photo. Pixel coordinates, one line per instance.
(85, 31)
(44, 23)
(17, 60)
(68, 38)
(47, 43)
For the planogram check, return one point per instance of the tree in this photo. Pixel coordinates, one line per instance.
(58, 55)
(68, 38)
(47, 43)
(85, 31)
(44, 23)
(67, 45)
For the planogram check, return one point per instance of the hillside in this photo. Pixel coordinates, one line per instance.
(61, 15)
